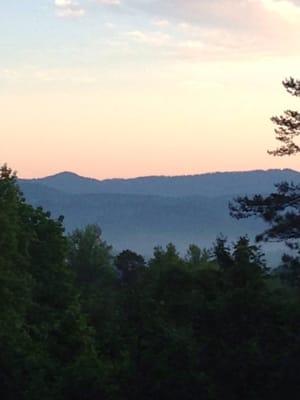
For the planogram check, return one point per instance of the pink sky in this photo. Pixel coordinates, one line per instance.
(130, 88)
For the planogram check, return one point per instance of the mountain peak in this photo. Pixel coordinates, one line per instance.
(62, 174)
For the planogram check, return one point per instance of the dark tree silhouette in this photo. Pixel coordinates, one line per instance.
(194, 327)
(128, 264)
(281, 209)
(288, 124)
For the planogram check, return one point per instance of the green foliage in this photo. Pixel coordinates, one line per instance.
(91, 261)
(129, 265)
(42, 328)
(89, 256)
(78, 322)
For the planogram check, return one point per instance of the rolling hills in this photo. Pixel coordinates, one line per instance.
(144, 212)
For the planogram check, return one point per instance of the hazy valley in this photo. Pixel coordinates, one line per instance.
(145, 212)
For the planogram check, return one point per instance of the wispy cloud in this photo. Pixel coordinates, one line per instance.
(110, 2)
(157, 39)
(63, 3)
(50, 75)
(9, 74)
(68, 9)
(161, 23)
(218, 11)
(233, 28)
(200, 29)
(285, 9)
(109, 25)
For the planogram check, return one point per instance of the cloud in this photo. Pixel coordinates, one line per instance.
(9, 74)
(70, 12)
(63, 3)
(201, 28)
(229, 28)
(161, 23)
(285, 9)
(63, 75)
(68, 9)
(109, 25)
(48, 75)
(229, 14)
(157, 39)
(110, 2)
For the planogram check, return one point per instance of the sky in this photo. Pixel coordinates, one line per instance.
(124, 88)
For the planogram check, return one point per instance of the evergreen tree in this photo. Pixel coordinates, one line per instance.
(281, 209)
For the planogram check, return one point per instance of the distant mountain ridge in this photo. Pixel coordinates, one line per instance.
(144, 212)
(208, 185)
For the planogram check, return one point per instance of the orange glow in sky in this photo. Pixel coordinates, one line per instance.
(133, 88)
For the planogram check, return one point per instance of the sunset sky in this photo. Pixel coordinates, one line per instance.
(123, 88)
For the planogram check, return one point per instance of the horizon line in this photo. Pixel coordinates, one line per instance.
(157, 176)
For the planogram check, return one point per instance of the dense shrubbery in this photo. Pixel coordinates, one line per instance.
(79, 322)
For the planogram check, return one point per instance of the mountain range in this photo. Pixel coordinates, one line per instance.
(143, 212)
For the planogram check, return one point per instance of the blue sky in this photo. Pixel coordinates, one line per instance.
(61, 33)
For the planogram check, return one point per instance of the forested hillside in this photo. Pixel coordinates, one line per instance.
(205, 185)
(145, 212)
(81, 322)
(142, 222)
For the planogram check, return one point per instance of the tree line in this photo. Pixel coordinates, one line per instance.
(78, 321)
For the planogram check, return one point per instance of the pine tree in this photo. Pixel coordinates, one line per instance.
(281, 209)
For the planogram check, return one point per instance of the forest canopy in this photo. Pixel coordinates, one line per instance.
(79, 321)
